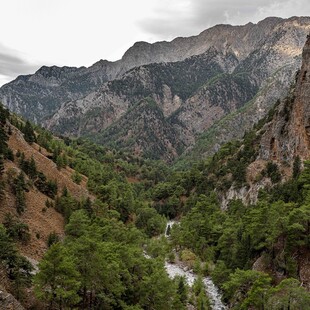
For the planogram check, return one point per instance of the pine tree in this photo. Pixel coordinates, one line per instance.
(3, 141)
(2, 187)
(17, 267)
(1, 165)
(19, 188)
(4, 114)
(182, 290)
(29, 134)
(57, 280)
(59, 162)
(296, 167)
(32, 171)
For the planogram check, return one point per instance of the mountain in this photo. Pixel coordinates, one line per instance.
(40, 95)
(198, 92)
(210, 88)
(164, 83)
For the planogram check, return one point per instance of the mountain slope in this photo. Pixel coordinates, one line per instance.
(169, 84)
(199, 94)
(246, 209)
(197, 82)
(42, 221)
(144, 130)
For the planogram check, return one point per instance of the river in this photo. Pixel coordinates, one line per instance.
(212, 291)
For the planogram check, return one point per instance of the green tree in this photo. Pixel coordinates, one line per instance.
(16, 229)
(16, 266)
(201, 300)
(247, 288)
(288, 295)
(220, 274)
(32, 172)
(76, 177)
(296, 167)
(150, 221)
(19, 190)
(79, 224)
(3, 141)
(182, 290)
(156, 291)
(52, 238)
(57, 280)
(1, 165)
(8, 251)
(4, 114)
(60, 162)
(2, 188)
(29, 134)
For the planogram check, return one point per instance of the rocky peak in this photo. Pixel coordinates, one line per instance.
(288, 134)
(55, 71)
(270, 21)
(54, 75)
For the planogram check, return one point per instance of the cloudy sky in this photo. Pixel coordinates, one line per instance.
(80, 32)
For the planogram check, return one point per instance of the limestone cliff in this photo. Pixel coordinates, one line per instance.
(282, 137)
(288, 134)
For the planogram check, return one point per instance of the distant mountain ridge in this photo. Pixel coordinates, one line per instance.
(195, 82)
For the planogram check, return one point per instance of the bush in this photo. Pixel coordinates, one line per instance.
(52, 238)
(17, 230)
(76, 177)
(272, 171)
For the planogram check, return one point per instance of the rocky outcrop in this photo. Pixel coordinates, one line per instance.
(8, 302)
(288, 134)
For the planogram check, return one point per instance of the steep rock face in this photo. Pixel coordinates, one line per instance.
(39, 95)
(234, 125)
(169, 84)
(220, 93)
(283, 137)
(191, 95)
(288, 135)
(273, 66)
(145, 131)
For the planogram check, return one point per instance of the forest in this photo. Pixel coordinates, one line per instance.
(113, 252)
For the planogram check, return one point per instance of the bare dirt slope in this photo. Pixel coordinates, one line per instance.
(42, 221)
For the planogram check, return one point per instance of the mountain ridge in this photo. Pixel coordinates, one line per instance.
(85, 100)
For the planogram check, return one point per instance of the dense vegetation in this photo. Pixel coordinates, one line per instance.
(101, 262)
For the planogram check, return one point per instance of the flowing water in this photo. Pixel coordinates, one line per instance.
(212, 291)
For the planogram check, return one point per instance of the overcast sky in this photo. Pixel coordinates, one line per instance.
(81, 32)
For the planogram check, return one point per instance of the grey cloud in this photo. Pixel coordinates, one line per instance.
(202, 14)
(12, 65)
